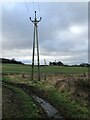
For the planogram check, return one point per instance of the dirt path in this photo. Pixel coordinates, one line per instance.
(14, 106)
(11, 107)
(50, 110)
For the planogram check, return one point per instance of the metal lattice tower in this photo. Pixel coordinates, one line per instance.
(35, 41)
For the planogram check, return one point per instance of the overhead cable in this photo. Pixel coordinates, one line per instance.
(26, 7)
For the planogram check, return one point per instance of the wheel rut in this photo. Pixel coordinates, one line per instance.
(49, 109)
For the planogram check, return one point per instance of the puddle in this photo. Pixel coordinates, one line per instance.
(49, 109)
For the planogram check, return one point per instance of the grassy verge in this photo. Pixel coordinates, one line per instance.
(29, 108)
(68, 108)
(61, 101)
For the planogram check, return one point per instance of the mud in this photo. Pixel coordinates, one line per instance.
(50, 110)
(11, 107)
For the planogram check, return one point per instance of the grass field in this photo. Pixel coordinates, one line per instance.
(14, 68)
(65, 101)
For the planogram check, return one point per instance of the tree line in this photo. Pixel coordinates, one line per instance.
(59, 63)
(55, 63)
(12, 61)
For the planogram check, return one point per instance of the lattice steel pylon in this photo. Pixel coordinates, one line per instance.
(35, 40)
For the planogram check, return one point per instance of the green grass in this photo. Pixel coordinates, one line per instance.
(15, 68)
(70, 108)
(60, 100)
(29, 108)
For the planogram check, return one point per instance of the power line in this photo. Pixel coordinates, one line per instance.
(34, 8)
(39, 8)
(33, 5)
(26, 7)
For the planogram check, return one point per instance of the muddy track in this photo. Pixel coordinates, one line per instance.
(51, 112)
(28, 89)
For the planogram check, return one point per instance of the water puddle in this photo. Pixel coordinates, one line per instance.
(49, 109)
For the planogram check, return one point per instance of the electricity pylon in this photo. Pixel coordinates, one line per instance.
(35, 40)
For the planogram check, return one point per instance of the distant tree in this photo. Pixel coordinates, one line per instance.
(84, 65)
(60, 63)
(13, 59)
(56, 63)
(3, 60)
(50, 63)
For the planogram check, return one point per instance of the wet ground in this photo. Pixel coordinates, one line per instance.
(11, 107)
(51, 111)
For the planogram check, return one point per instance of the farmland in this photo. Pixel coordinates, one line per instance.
(14, 68)
(66, 88)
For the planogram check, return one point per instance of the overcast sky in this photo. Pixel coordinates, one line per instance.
(63, 31)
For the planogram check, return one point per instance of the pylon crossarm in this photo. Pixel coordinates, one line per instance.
(39, 20)
(31, 20)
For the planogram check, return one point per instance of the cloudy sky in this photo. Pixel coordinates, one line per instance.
(63, 31)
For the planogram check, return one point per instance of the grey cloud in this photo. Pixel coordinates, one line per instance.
(72, 13)
(18, 31)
